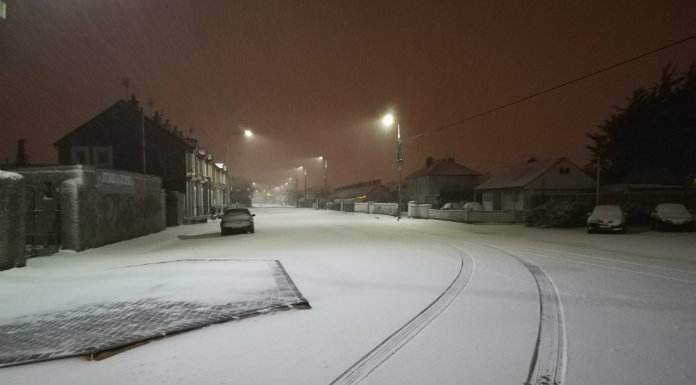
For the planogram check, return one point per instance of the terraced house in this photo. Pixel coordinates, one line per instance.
(122, 137)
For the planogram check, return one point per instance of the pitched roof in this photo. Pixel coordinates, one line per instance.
(124, 107)
(518, 176)
(444, 167)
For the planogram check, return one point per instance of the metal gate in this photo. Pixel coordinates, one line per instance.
(42, 219)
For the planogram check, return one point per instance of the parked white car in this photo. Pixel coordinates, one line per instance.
(451, 206)
(473, 206)
(671, 216)
(606, 218)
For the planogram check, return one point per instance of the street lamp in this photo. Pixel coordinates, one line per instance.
(305, 185)
(326, 174)
(388, 120)
(247, 133)
(295, 198)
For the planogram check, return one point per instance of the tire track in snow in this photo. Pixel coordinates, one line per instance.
(369, 362)
(549, 359)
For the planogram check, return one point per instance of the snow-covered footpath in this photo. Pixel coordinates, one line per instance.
(627, 308)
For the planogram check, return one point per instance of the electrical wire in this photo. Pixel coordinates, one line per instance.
(547, 90)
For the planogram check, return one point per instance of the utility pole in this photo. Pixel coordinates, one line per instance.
(142, 129)
(598, 172)
(399, 161)
(305, 187)
(326, 188)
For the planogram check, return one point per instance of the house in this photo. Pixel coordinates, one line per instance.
(362, 192)
(122, 137)
(529, 185)
(442, 181)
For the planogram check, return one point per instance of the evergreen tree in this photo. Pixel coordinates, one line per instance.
(653, 138)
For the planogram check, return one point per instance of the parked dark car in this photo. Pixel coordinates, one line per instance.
(671, 216)
(606, 218)
(237, 221)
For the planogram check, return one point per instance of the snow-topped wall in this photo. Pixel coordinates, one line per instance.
(11, 220)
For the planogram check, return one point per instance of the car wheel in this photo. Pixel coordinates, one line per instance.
(251, 230)
(589, 230)
(623, 230)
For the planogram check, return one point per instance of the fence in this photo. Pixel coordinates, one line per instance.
(649, 199)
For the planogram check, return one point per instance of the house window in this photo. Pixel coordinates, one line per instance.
(79, 155)
(102, 157)
(564, 170)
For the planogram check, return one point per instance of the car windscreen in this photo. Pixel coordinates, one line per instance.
(672, 209)
(236, 216)
(607, 211)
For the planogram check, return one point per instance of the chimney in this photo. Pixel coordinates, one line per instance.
(428, 162)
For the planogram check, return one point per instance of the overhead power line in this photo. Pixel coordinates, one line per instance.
(547, 90)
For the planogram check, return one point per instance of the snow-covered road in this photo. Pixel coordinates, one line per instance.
(617, 309)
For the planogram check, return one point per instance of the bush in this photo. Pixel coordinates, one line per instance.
(557, 214)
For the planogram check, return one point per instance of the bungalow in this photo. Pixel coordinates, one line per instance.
(528, 185)
(441, 181)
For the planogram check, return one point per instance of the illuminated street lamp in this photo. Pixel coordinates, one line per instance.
(388, 120)
(247, 133)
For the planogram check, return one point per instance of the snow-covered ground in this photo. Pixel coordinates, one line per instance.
(627, 310)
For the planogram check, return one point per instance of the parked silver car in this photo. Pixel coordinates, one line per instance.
(671, 216)
(609, 218)
(237, 220)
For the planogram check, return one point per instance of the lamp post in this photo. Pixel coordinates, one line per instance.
(296, 203)
(302, 168)
(388, 121)
(326, 189)
(295, 196)
(247, 133)
(305, 187)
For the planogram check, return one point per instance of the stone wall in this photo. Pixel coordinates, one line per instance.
(107, 206)
(419, 211)
(12, 220)
(470, 216)
(382, 208)
(361, 207)
(100, 206)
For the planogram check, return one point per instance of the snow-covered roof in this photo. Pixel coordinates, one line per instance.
(518, 176)
(359, 190)
(444, 167)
